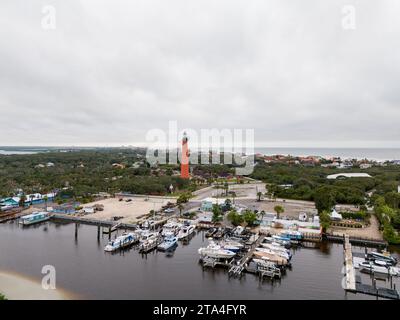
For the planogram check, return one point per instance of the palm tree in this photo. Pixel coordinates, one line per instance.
(226, 186)
(180, 208)
(279, 209)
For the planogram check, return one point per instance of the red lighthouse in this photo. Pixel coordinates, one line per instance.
(185, 158)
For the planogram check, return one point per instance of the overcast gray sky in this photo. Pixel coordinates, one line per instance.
(112, 70)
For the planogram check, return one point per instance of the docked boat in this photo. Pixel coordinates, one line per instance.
(185, 232)
(147, 235)
(210, 232)
(35, 217)
(282, 254)
(277, 248)
(282, 241)
(238, 231)
(168, 243)
(271, 257)
(219, 234)
(231, 245)
(216, 252)
(170, 228)
(150, 244)
(292, 235)
(120, 242)
(382, 256)
(370, 267)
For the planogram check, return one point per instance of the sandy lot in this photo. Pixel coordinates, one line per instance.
(372, 231)
(292, 209)
(131, 211)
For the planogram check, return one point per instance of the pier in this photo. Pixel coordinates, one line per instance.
(357, 240)
(112, 225)
(353, 283)
(237, 269)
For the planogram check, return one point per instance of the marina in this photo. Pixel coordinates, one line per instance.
(314, 273)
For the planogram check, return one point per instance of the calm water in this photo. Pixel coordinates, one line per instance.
(378, 154)
(86, 270)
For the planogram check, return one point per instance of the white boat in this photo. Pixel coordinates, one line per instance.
(216, 252)
(171, 228)
(150, 243)
(284, 255)
(238, 230)
(35, 217)
(273, 239)
(369, 267)
(231, 245)
(168, 243)
(185, 232)
(382, 256)
(277, 248)
(147, 235)
(120, 242)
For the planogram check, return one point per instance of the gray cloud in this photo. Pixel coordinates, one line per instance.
(111, 71)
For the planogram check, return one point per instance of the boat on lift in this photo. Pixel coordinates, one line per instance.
(369, 267)
(382, 256)
(216, 252)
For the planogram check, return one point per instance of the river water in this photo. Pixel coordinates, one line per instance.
(83, 268)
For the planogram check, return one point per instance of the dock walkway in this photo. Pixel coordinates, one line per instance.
(99, 223)
(353, 283)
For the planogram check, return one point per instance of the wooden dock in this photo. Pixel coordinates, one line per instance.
(94, 222)
(357, 240)
(350, 283)
(236, 270)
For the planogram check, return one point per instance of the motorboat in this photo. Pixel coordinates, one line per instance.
(277, 248)
(292, 235)
(270, 257)
(370, 267)
(216, 252)
(279, 253)
(168, 243)
(147, 235)
(219, 234)
(279, 240)
(171, 227)
(149, 244)
(382, 256)
(210, 232)
(35, 217)
(238, 231)
(185, 232)
(120, 242)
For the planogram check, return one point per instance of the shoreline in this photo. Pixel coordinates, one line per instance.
(15, 286)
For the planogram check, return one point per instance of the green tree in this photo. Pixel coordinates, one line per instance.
(180, 208)
(250, 217)
(2, 297)
(324, 199)
(393, 199)
(279, 209)
(217, 213)
(235, 218)
(325, 220)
